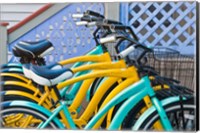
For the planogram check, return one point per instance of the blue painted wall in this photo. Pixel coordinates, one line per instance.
(69, 40)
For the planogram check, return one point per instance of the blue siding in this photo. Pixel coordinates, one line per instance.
(69, 40)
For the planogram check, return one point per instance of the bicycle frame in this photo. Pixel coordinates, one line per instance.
(117, 73)
(133, 94)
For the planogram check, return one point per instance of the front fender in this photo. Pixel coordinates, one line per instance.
(34, 107)
(148, 112)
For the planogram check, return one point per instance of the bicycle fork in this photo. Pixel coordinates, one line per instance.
(162, 114)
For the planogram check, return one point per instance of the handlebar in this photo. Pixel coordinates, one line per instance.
(77, 15)
(91, 24)
(123, 27)
(107, 39)
(81, 23)
(91, 18)
(92, 13)
(130, 48)
(119, 27)
(126, 52)
(119, 37)
(108, 21)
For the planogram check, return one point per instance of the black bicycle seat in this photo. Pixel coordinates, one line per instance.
(32, 49)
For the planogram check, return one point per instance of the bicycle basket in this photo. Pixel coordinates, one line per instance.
(170, 63)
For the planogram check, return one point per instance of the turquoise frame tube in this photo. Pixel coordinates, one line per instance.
(97, 50)
(149, 111)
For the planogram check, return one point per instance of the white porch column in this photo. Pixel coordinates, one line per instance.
(112, 10)
(3, 43)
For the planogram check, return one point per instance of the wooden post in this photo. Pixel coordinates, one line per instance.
(3, 43)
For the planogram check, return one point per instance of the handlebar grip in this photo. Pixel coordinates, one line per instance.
(90, 24)
(119, 27)
(86, 18)
(89, 12)
(77, 15)
(126, 52)
(107, 39)
(108, 21)
(81, 23)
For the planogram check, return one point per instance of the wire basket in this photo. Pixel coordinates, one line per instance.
(170, 63)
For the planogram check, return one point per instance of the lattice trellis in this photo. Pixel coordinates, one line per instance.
(169, 24)
(69, 40)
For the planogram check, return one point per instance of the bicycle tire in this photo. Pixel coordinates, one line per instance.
(173, 108)
(9, 78)
(6, 87)
(25, 111)
(133, 114)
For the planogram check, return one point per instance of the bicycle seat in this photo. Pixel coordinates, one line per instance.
(45, 76)
(27, 73)
(26, 70)
(17, 52)
(32, 49)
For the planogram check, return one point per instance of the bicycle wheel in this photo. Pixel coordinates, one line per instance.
(161, 94)
(8, 77)
(12, 70)
(15, 87)
(22, 117)
(181, 118)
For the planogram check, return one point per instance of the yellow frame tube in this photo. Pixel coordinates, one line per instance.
(97, 97)
(80, 96)
(21, 84)
(115, 91)
(104, 65)
(20, 93)
(92, 58)
(123, 73)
